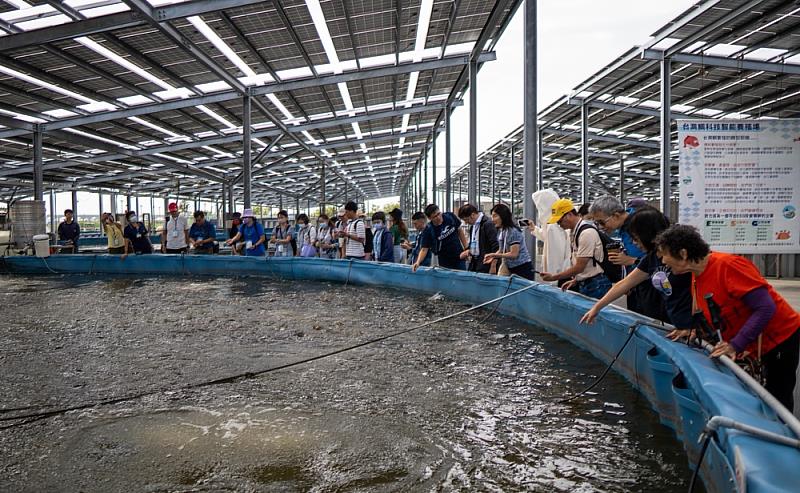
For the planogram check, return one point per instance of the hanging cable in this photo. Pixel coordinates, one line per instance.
(696, 473)
(594, 384)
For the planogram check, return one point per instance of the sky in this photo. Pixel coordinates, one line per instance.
(576, 39)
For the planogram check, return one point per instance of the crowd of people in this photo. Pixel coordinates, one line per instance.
(603, 250)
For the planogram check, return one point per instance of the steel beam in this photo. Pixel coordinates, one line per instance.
(219, 97)
(739, 64)
(448, 179)
(531, 132)
(247, 164)
(38, 169)
(473, 133)
(666, 135)
(433, 178)
(113, 22)
(512, 183)
(603, 138)
(584, 153)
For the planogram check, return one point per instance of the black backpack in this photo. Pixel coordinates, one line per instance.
(613, 272)
(368, 237)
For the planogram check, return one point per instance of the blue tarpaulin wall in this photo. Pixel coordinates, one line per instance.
(683, 385)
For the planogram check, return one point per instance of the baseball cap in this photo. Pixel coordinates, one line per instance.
(173, 207)
(559, 208)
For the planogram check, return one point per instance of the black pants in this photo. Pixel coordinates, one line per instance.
(176, 250)
(524, 270)
(780, 369)
(476, 265)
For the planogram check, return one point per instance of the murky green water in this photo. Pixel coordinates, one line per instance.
(460, 406)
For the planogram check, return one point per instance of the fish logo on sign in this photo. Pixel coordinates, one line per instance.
(691, 141)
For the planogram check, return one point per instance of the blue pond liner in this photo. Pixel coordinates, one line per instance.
(682, 384)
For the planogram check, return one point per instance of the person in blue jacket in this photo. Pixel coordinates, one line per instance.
(252, 233)
(382, 239)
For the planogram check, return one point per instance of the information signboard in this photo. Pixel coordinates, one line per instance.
(740, 183)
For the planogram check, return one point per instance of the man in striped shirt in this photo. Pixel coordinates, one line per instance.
(355, 234)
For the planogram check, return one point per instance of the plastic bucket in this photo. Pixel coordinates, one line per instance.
(41, 243)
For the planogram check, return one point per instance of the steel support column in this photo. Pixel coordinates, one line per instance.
(127, 203)
(38, 166)
(221, 219)
(511, 185)
(75, 204)
(425, 180)
(472, 196)
(433, 177)
(100, 205)
(540, 161)
(323, 187)
(494, 185)
(53, 218)
(448, 180)
(530, 132)
(247, 163)
(622, 180)
(584, 153)
(666, 137)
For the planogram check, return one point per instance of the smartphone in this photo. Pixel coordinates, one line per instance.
(614, 246)
(523, 223)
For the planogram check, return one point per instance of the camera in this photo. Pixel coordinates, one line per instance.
(614, 246)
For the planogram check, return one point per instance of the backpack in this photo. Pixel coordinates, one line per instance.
(612, 272)
(369, 236)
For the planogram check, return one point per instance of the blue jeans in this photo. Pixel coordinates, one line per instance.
(595, 287)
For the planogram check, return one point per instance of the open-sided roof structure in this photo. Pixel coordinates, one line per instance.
(148, 97)
(723, 59)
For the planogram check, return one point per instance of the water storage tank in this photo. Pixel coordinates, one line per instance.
(27, 221)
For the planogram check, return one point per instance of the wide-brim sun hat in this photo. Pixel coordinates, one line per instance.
(248, 213)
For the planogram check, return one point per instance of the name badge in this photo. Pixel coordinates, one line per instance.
(138, 235)
(174, 233)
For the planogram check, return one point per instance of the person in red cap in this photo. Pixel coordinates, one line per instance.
(175, 237)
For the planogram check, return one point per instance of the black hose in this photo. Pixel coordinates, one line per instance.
(696, 474)
(510, 278)
(608, 368)
(245, 375)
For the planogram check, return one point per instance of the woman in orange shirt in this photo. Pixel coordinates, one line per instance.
(755, 318)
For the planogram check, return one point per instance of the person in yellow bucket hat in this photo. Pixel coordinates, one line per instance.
(586, 271)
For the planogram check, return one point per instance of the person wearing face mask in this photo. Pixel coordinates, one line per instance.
(113, 230)
(307, 235)
(282, 236)
(251, 232)
(175, 238)
(382, 240)
(326, 245)
(202, 234)
(136, 237)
